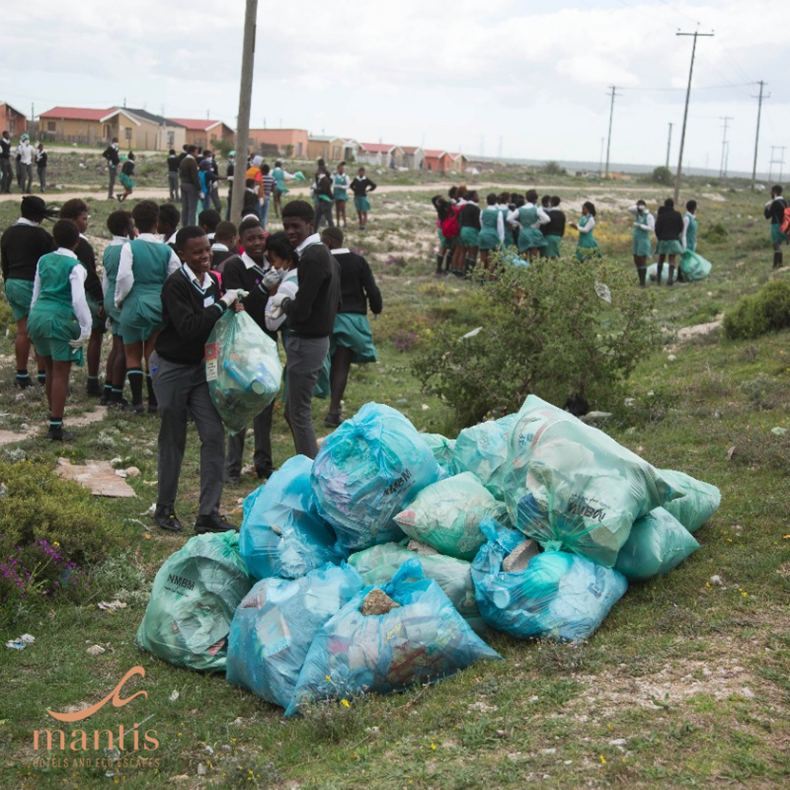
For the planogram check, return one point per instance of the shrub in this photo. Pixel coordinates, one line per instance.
(716, 233)
(553, 168)
(766, 311)
(662, 175)
(543, 330)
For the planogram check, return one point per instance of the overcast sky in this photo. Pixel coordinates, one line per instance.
(520, 78)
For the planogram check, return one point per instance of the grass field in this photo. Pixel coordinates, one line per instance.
(685, 685)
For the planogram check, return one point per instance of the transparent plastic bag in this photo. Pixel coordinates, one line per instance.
(694, 266)
(275, 624)
(442, 449)
(697, 502)
(243, 369)
(282, 533)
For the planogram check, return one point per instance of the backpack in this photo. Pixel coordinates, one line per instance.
(450, 226)
(785, 226)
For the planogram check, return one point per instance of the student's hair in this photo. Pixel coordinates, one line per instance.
(247, 223)
(225, 231)
(555, 200)
(361, 170)
(278, 244)
(265, 169)
(191, 149)
(519, 201)
(532, 196)
(669, 203)
(504, 198)
(333, 233)
(169, 214)
(299, 208)
(209, 218)
(472, 196)
(65, 233)
(342, 164)
(691, 206)
(452, 192)
(321, 162)
(146, 215)
(130, 156)
(777, 188)
(71, 209)
(641, 202)
(171, 152)
(118, 222)
(545, 201)
(187, 233)
(590, 207)
(491, 199)
(278, 163)
(250, 182)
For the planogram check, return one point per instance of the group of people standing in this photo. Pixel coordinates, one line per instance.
(26, 157)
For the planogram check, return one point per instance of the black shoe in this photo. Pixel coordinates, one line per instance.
(153, 408)
(104, 401)
(23, 384)
(232, 480)
(166, 519)
(59, 435)
(134, 408)
(212, 523)
(94, 389)
(333, 420)
(118, 404)
(264, 474)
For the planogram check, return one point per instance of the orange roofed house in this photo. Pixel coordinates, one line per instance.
(204, 133)
(380, 154)
(11, 120)
(438, 161)
(290, 143)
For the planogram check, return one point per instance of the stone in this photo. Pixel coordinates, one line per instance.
(716, 581)
(132, 471)
(377, 602)
(96, 650)
(97, 476)
(593, 417)
(520, 557)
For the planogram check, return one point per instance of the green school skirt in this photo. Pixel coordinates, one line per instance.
(469, 237)
(488, 239)
(20, 294)
(641, 244)
(96, 321)
(444, 241)
(669, 247)
(141, 313)
(553, 244)
(361, 204)
(587, 248)
(50, 329)
(777, 237)
(530, 239)
(126, 181)
(352, 330)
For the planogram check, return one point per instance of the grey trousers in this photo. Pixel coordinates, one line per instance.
(7, 175)
(216, 202)
(27, 175)
(182, 390)
(112, 170)
(323, 211)
(262, 459)
(172, 182)
(42, 178)
(189, 201)
(305, 358)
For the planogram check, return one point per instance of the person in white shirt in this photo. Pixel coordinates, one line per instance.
(642, 247)
(27, 155)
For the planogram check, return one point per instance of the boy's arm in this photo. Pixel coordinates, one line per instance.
(311, 279)
(188, 321)
(371, 289)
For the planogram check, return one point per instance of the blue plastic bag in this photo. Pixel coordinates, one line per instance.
(442, 449)
(282, 533)
(369, 470)
(697, 502)
(423, 640)
(275, 624)
(658, 543)
(558, 595)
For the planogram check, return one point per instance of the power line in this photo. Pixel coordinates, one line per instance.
(699, 88)
(613, 89)
(757, 133)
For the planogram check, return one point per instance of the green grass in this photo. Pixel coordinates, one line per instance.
(685, 685)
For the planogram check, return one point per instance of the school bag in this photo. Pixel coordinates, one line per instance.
(450, 226)
(785, 226)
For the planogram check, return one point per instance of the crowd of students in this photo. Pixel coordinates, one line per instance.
(160, 294)
(25, 157)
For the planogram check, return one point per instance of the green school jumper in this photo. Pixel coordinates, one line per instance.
(529, 238)
(141, 313)
(341, 183)
(642, 244)
(691, 233)
(587, 246)
(52, 322)
(278, 174)
(110, 262)
(489, 237)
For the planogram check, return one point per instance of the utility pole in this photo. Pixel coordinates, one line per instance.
(781, 162)
(723, 169)
(600, 165)
(759, 98)
(245, 102)
(614, 93)
(669, 144)
(696, 35)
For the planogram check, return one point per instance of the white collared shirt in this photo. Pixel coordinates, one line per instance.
(204, 285)
(308, 242)
(217, 247)
(340, 251)
(26, 221)
(249, 263)
(124, 282)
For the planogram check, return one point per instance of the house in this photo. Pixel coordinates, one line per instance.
(328, 148)
(458, 162)
(11, 120)
(204, 133)
(437, 161)
(135, 129)
(413, 157)
(291, 143)
(380, 154)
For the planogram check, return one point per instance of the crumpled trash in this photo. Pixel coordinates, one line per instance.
(111, 606)
(21, 642)
(423, 640)
(95, 650)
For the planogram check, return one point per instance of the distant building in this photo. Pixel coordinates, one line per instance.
(332, 149)
(11, 120)
(413, 157)
(204, 133)
(437, 161)
(380, 154)
(291, 143)
(458, 162)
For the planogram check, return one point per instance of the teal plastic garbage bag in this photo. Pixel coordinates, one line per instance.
(697, 502)
(275, 624)
(558, 595)
(658, 543)
(367, 471)
(442, 449)
(421, 641)
(694, 266)
(282, 533)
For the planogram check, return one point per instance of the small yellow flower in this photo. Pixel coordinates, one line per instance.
(55, 543)
(603, 760)
(345, 703)
(433, 747)
(328, 679)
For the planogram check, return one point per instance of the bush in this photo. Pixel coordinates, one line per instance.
(766, 311)
(662, 175)
(716, 233)
(544, 330)
(51, 534)
(553, 168)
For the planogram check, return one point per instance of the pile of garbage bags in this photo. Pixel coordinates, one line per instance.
(384, 563)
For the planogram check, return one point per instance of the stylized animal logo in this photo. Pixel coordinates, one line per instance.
(114, 696)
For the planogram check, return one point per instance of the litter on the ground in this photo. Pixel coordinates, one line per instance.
(21, 642)
(111, 606)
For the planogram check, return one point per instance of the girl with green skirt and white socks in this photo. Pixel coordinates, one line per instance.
(642, 247)
(587, 246)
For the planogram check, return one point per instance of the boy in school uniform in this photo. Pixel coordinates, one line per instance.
(191, 305)
(77, 211)
(41, 166)
(224, 245)
(190, 185)
(167, 224)
(60, 320)
(21, 246)
(172, 174)
(6, 175)
(775, 211)
(361, 186)
(113, 159)
(251, 205)
(323, 197)
(208, 219)
(268, 185)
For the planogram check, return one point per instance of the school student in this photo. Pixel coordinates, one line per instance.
(229, 173)
(21, 246)
(351, 340)
(361, 186)
(144, 266)
(113, 158)
(445, 208)
(190, 185)
(251, 205)
(340, 184)
(191, 304)
(267, 188)
(280, 175)
(41, 166)
(554, 230)
(311, 314)
(492, 229)
(60, 320)
(224, 245)
(642, 247)
(27, 155)
(127, 171)
(468, 239)
(6, 174)
(77, 211)
(208, 219)
(529, 217)
(689, 237)
(252, 273)
(167, 224)
(587, 246)
(172, 174)
(121, 226)
(324, 198)
(775, 211)
(669, 229)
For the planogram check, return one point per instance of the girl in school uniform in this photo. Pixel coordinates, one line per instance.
(121, 226)
(127, 171)
(341, 184)
(492, 229)
(469, 238)
(669, 229)
(60, 320)
(145, 264)
(530, 217)
(642, 248)
(361, 186)
(587, 246)
(689, 237)
(280, 176)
